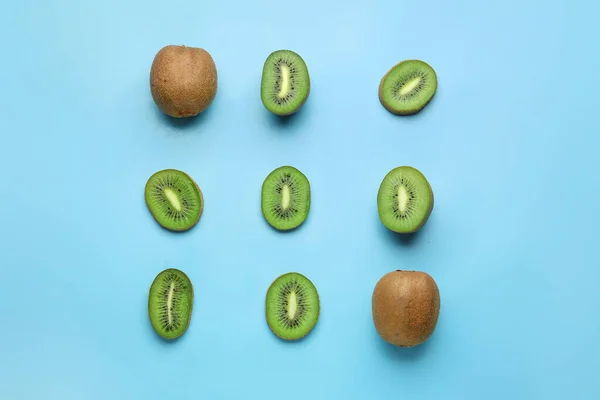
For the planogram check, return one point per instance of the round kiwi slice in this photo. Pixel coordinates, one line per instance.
(292, 306)
(405, 307)
(285, 198)
(407, 87)
(404, 200)
(170, 303)
(174, 199)
(285, 83)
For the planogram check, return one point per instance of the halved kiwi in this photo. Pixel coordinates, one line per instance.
(285, 83)
(292, 306)
(408, 87)
(285, 198)
(404, 200)
(174, 199)
(170, 303)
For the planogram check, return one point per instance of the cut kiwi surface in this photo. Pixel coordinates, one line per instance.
(174, 199)
(404, 200)
(292, 306)
(285, 83)
(285, 198)
(408, 87)
(170, 303)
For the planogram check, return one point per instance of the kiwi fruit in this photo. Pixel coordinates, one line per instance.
(170, 303)
(285, 198)
(174, 199)
(405, 307)
(285, 83)
(292, 306)
(183, 80)
(408, 87)
(404, 200)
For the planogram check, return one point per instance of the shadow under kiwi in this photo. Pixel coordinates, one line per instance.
(288, 121)
(404, 239)
(168, 342)
(283, 120)
(403, 354)
(181, 124)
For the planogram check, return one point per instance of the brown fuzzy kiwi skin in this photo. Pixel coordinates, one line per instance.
(183, 80)
(406, 307)
(390, 109)
(201, 195)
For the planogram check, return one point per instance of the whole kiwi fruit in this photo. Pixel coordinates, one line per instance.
(183, 80)
(405, 306)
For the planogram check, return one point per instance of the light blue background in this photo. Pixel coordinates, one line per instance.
(509, 144)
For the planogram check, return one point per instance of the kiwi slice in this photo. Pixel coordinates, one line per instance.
(174, 199)
(292, 306)
(285, 83)
(170, 303)
(407, 87)
(285, 198)
(404, 200)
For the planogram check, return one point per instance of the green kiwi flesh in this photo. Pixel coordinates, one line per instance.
(174, 199)
(404, 200)
(285, 83)
(292, 306)
(285, 198)
(408, 87)
(170, 303)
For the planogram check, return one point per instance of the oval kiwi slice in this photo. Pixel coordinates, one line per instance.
(285, 198)
(285, 83)
(174, 199)
(292, 306)
(404, 200)
(407, 87)
(170, 303)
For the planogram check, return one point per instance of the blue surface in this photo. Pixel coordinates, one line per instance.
(509, 145)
